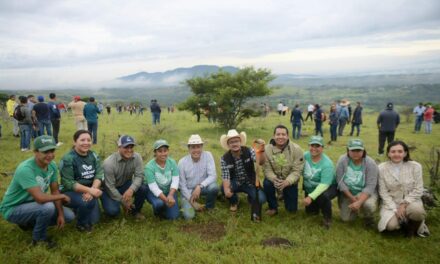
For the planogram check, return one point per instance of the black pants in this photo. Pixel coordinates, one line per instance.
(385, 136)
(309, 114)
(55, 128)
(323, 202)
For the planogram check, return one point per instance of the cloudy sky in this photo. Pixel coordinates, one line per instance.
(56, 43)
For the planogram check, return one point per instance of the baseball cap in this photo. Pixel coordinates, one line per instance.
(160, 143)
(316, 140)
(44, 143)
(126, 140)
(40, 98)
(354, 144)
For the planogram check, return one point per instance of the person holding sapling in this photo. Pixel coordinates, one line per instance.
(282, 169)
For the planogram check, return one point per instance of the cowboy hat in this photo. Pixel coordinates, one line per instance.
(232, 134)
(195, 140)
(344, 102)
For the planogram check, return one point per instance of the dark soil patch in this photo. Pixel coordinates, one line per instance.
(277, 242)
(210, 232)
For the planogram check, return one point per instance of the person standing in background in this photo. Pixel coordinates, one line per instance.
(11, 104)
(91, 112)
(55, 117)
(41, 113)
(77, 107)
(387, 123)
(418, 111)
(428, 115)
(357, 119)
(297, 120)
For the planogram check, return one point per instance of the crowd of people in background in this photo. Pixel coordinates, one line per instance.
(174, 189)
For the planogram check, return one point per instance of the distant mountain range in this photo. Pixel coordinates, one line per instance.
(177, 76)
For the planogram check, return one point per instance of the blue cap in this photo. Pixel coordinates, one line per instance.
(125, 140)
(40, 98)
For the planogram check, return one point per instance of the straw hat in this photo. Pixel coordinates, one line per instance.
(195, 140)
(232, 134)
(344, 102)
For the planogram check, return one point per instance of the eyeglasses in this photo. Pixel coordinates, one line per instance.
(50, 151)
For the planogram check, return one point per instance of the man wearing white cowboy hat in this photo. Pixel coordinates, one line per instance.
(197, 176)
(238, 170)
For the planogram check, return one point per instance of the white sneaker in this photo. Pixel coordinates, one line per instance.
(59, 144)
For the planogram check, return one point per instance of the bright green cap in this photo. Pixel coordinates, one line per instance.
(160, 143)
(355, 144)
(316, 140)
(44, 143)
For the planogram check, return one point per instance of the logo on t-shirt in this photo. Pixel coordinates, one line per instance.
(43, 182)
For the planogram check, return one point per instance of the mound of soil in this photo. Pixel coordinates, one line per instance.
(210, 232)
(277, 242)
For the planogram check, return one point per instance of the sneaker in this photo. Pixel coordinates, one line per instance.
(271, 212)
(84, 228)
(233, 208)
(139, 217)
(48, 243)
(59, 144)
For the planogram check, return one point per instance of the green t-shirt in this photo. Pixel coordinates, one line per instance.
(26, 176)
(75, 168)
(161, 176)
(354, 178)
(316, 173)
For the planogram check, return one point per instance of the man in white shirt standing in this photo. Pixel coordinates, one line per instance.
(418, 111)
(280, 108)
(197, 177)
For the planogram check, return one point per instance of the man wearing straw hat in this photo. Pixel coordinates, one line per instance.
(238, 169)
(197, 177)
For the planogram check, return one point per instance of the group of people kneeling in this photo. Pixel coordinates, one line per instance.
(123, 181)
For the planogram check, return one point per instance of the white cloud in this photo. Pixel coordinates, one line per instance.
(83, 42)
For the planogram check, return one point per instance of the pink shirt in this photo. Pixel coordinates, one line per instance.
(428, 114)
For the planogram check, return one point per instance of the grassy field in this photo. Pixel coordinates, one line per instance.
(217, 236)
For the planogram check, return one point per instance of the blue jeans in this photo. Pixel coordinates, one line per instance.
(250, 190)
(318, 127)
(40, 216)
(418, 125)
(342, 123)
(210, 192)
(87, 212)
(290, 194)
(160, 208)
(333, 132)
(112, 207)
(428, 127)
(25, 136)
(42, 124)
(296, 126)
(156, 118)
(93, 129)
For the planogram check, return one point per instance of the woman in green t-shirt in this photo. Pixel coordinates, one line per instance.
(81, 177)
(162, 177)
(356, 174)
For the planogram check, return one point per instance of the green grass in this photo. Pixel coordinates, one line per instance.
(123, 240)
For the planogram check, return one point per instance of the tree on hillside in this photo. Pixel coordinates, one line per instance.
(223, 96)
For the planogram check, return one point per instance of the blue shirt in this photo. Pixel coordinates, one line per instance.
(91, 112)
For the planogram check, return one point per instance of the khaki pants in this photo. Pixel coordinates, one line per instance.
(414, 211)
(368, 207)
(81, 125)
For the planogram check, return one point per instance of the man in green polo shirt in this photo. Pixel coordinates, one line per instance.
(26, 202)
(319, 181)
